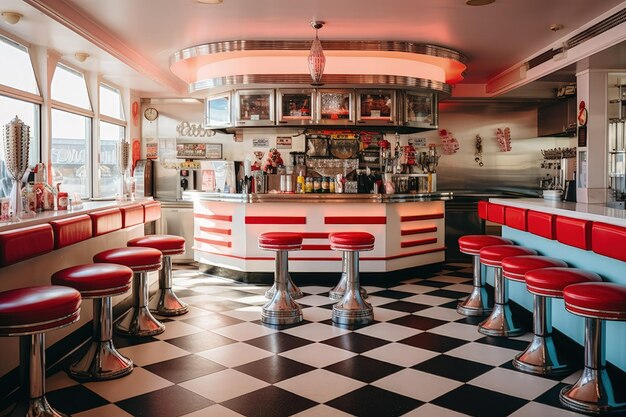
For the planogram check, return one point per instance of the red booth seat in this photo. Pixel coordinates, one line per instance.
(106, 221)
(515, 217)
(574, 232)
(27, 242)
(71, 230)
(152, 211)
(132, 215)
(495, 213)
(609, 240)
(541, 224)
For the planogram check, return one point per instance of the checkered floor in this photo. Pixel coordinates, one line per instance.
(419, 358)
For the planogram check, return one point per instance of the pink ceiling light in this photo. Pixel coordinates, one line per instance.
(317, 60)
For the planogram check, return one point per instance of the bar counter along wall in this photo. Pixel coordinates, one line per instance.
(409, 229)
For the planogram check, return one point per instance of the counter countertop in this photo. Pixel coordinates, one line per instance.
(317, 198)
(49, 215)
(594, 212)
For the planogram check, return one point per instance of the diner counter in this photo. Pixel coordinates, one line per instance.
(409, 229)
(593, 212)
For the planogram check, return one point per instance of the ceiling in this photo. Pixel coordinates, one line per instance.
(140, 36)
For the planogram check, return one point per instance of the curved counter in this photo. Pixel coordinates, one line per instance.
(409, 229)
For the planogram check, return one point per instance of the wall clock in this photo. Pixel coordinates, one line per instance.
(151, 114)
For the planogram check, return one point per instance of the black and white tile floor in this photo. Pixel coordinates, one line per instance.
(419, 358)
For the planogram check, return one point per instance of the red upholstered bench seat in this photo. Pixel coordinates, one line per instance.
(167, 244)
(280, 241)
(95, 280)
(71, 230)
(33, 309)
(550, 282)
(598, 300)
(472, 244)
(356, 241)
(27, 242)
(515, 267)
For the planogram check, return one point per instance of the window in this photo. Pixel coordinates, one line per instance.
(109, 175)
(69, 87)
(111, 102)
(70, 152)
(19, 74)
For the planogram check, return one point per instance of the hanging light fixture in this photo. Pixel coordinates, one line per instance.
(317, 60)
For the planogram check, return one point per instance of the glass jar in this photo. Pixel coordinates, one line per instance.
(308, 185)
(331, 185)
(325, 185)
(317, 185)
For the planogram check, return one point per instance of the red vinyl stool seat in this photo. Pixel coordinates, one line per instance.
(596, 302)
(101, 361)
(516, 267)
(165, 302)
(477, 303)
(501, 322)
(351, 309)
(29, 313)
(138, 321)
(281, 309)
(541, 356)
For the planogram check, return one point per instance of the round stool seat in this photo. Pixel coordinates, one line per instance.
(137, 259)
(36, 309)
(551, 282)
(167, 244)
(493, 255)
(280, 241)
(472, 244)
(95, 280)
(602, 300)
(351, 241)
(514, 267)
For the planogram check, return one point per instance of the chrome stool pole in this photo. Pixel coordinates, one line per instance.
(165, 302)
(476, 304)
(352, 309)
(138, 321)
(340, 289)
(281, 309)
(501, 322)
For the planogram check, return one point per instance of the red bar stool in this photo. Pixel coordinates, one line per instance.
(541, 356)
(501, 321)
(476, 304)
(165, 302)
(100, 282)
(352, 309)
(596, 302)
(281, 309)
(30, 313)
(138, 321)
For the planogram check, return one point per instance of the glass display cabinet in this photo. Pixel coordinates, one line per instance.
(254, 108)
(335, 107)
(217, 111)
(419, 110)
(295, 107)
(376, 107)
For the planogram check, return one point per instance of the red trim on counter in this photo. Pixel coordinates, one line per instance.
(315, 247)
(495, 213)
(355, 220)
(213, 242)
(542, 224)
(515, 217)
(215, 230)
(421, 217)
(608, 240)
(482, 209)
(313, 235)
(412, 243)
(418, 231)
(220, 217)
(275, 220)
(574, 232)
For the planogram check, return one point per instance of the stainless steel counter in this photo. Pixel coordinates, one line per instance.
(317, 198)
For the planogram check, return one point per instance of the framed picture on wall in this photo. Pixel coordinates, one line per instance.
(214, 151)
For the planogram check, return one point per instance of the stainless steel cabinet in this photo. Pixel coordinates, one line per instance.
(177, 219)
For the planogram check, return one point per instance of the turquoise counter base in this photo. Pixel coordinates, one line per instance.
(571, 325)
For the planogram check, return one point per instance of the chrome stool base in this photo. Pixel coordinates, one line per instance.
(352, 309)
(340, 289)
(293, 289)
(281, 309)
(36, 407)
(477, 303)
(138, 321)
(593, 394)
(541, 358)
(166, 303)
(101, 362)
(501, 323)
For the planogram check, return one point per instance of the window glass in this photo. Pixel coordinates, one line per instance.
(19, 74)
(70, 150)
(69, 87)
(111, 102)
(109, 175)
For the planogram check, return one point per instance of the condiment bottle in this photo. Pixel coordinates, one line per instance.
(62, 200)
(308, 185)
(317, 185)
(325, 186)
(300, 184)
(331, 185)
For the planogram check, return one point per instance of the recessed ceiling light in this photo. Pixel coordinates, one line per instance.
(210, 1)
(555, 27)
(81, 56)
(479, 2)
(11, 17)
